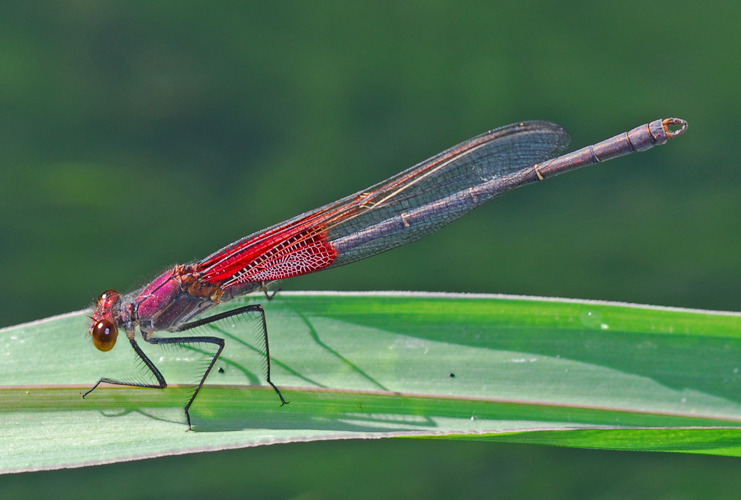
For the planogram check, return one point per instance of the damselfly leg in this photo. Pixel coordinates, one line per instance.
(161, 382)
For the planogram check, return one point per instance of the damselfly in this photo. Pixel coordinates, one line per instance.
(397, 211)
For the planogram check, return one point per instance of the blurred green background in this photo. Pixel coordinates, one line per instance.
(134, 135)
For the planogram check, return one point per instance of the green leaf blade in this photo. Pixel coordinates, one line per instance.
(359, 366)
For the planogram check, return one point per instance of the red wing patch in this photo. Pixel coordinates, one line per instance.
(291, 257)
(278, 257)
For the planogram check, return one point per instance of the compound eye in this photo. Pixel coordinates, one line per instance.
(105, 295)
(104, 335)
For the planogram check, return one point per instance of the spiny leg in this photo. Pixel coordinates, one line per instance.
(192, 340)
(268, 295)
(161, 384)
(236, 312)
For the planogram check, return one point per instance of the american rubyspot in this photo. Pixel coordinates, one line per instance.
(397, 211)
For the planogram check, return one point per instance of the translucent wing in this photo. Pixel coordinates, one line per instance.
(397, 211)
(432, 194)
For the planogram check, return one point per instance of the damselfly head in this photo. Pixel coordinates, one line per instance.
(103, 329)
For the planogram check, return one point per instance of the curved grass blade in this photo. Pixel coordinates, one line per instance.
(373, 365)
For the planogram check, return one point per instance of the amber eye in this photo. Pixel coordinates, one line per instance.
(104, 334)
(103, 296)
